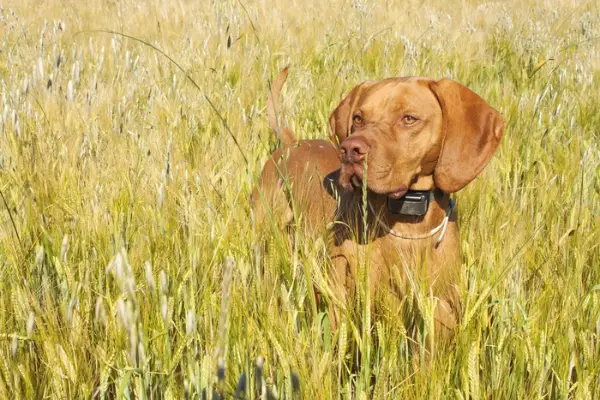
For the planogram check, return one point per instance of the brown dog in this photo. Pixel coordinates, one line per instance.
(413, 141)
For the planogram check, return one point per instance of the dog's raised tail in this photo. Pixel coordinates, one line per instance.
(284, 134)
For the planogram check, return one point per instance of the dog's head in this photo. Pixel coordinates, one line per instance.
(411, 130)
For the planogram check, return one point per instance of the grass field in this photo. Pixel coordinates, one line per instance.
(128, 262)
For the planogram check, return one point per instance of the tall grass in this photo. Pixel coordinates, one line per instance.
(128, 262)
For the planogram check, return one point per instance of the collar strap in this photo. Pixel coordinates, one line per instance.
(441, 227)
(414, 203)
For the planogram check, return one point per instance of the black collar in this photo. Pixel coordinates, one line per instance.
(414, 202)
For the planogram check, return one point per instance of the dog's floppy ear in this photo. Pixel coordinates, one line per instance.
(472, 133)
(340, 120)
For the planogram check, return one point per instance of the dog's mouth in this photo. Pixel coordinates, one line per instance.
(356, 182)
(352, 179)
(400, 192)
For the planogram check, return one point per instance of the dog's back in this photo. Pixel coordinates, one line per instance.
(297, 183)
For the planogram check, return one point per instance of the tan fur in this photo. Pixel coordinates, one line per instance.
(296, 177)
(286, 136)
(454, 136)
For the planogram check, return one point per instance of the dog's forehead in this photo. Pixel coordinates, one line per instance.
(409, 91)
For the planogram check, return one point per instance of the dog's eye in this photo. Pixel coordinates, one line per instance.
(357, 119)
(409, 119)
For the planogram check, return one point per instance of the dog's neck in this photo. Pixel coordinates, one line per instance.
(415, 203)
(394, 213)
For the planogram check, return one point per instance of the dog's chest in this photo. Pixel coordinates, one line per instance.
(387, 250)
(391, 260)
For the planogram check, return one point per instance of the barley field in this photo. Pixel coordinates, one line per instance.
(132, 133)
